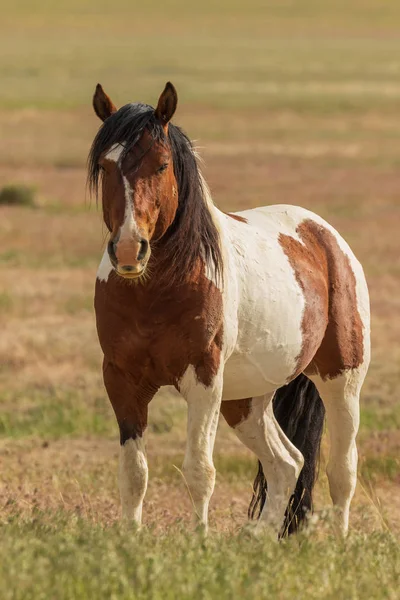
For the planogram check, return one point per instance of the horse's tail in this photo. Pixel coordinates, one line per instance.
(299, 410)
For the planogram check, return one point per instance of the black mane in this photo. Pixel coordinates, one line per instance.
(193, 234)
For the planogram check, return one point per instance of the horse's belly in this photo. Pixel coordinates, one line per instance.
(257, 373)
(243, 379)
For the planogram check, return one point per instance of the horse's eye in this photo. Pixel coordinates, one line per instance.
(162, 168)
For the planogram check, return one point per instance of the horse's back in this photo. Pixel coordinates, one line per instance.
(302, 301)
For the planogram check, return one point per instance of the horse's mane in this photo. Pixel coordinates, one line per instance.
(193, 234)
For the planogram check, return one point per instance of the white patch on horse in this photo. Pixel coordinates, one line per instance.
(114, 153)
(129, 226)
(209, 267)
(133, 477)
(105, 267)
(209, 270)
(207, 194)
(203, 414)
(262, 325)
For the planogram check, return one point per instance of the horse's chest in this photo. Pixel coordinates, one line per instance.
(155, 339)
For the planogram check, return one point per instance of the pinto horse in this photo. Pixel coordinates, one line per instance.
(262, 315)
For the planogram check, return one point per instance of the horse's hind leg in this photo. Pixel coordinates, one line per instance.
(341, 400)
(255, 425)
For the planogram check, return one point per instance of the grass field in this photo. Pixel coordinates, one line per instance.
(293, 102)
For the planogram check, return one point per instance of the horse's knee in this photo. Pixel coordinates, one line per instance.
(200, 478)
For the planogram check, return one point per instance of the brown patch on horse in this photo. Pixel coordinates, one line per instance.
(237, 217)
(331, 325)
(207, 368)
(236, 411)
(150, 335)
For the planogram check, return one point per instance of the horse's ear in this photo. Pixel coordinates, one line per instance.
(167, 104)
(102, 104)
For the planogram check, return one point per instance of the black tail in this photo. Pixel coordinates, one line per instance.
(300, 412)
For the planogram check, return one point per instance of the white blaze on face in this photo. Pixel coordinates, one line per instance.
(129, 226)
(114, 153)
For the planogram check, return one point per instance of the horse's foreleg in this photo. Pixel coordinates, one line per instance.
(203, 412)
(130, 404)
(132, 478)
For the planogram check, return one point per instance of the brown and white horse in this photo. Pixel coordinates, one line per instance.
(257, 315)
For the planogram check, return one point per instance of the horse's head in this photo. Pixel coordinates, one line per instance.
(133, 156)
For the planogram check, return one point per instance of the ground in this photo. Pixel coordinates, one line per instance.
(287, 105)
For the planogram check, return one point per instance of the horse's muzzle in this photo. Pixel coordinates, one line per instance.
(129, 257)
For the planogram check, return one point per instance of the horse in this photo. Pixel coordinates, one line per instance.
(261, 315)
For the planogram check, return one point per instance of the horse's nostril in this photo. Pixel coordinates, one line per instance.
(111, 250)
(143, 247)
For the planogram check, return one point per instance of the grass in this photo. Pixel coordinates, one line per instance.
(17, 195)
(387, 467)
(53, 556)
(378, 418)
(59, 411)
(6, 301)
(55, 413)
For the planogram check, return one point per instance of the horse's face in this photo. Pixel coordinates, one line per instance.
(139, 191)
(140, 199)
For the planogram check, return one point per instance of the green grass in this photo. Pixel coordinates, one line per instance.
(6, 301)
(52, 556)
(55, 413)
(375, 468)
(234, 467)
(380, 418)
(84, 410)
(17, 195)
(230, 468)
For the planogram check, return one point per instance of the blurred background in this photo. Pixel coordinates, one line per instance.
(289, 102)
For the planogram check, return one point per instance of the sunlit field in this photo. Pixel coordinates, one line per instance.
(298, 103)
